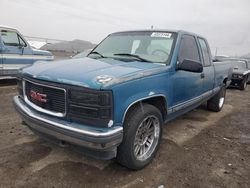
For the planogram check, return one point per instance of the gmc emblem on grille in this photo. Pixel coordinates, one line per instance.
(38, 96)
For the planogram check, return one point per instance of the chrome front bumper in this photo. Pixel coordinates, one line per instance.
(102, 139)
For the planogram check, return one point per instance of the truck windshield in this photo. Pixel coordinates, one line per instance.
(140, 46)
(240, 65)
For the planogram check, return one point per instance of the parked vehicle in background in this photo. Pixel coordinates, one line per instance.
(115, 101)
(219, 57)
(82, 54)
(16, 53)
(240, 73)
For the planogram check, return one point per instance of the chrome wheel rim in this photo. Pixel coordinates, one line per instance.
(146, 138)
(245, 84)
(221, 102)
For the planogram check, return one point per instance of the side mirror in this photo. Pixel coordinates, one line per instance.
(190, 66)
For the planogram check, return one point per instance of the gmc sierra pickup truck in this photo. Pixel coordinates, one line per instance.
(114, 102)
(16, 53)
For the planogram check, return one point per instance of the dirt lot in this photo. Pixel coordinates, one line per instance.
(200, 149)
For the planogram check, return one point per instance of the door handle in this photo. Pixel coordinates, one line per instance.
(202, 75)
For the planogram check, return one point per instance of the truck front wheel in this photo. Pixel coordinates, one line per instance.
(216, 103)
(142, 134)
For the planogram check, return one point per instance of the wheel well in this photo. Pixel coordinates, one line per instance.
(159, 102)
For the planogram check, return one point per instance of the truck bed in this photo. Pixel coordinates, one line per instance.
(223, 69)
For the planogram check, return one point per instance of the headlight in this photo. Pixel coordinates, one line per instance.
(237, 76)
(90, 107)
(100, 98)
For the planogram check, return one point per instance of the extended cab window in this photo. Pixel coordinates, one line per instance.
(11, 38)
(205, 52)
(189, 49)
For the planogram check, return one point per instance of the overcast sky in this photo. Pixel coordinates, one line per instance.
(225, 23)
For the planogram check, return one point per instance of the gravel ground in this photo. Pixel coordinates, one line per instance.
(199, 149)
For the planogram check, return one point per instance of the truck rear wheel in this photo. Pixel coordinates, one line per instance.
(216, 103)
(142, 134)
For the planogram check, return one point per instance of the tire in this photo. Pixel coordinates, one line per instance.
(243, 84)
(248, 79)
(216, 103)
(136, 135)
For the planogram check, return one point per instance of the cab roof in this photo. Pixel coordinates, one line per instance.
(7, 27)
(160, 30)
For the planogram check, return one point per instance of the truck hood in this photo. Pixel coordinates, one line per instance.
(92, 73)
(41, 52)
(240, 71)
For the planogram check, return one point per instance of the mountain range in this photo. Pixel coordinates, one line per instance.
(69, 46)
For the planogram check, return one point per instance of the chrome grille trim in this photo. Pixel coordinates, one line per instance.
(40, 109)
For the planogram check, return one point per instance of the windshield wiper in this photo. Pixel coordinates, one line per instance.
(95, 52)
(133, 55)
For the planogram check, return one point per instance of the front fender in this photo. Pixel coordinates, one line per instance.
(137, 98)
(128, 93)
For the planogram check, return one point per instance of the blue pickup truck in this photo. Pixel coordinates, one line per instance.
(16, 53)
(114, 102)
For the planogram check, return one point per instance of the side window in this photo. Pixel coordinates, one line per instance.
(9, 38)
(189, 49)
(205, 52)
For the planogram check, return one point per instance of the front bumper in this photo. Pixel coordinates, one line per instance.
(95, 139)
(236, 82)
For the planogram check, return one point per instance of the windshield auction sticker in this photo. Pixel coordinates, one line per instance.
(161, 35)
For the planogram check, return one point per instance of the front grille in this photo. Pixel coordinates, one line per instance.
(53, 98)
(71, 103)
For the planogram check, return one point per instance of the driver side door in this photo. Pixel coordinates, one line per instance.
(187, 86)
